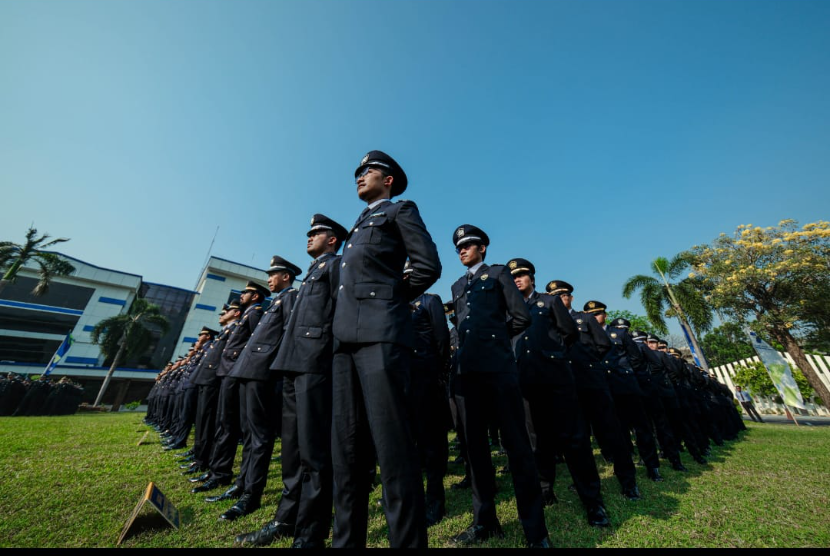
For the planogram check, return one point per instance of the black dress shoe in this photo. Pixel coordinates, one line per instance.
(632, 493)
(459, 460)
(188, 460)
(678, 466)
(549, 497)
(435, 512)
(544, 543)
(171, 447)
(598, 517)
(201, 478)
(300, 543)
(231, 494)
(654, 474)
(245, 505)
(464, 483)
(185, 454)
(194, 469)
(700, 459)
(270, 532)
(477, 534)
(210, 484)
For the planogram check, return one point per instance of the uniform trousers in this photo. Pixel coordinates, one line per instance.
(600, 413)
(659, 422)
(306, 456)
(682, 433)
(370, 385)
(187, 414)
(260, 413)
(480, 395)
(557, 426)
(430, 418)
(632, 416)
(205, 424)
(228, 431)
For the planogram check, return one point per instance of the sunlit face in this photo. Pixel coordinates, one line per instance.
(652, 345)
(372, 185)
(524, 282)
(319, 242)
(470, 254)
(567, 299)
(245, 298)
(278, 281)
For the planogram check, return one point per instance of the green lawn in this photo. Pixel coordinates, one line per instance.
(73, 482)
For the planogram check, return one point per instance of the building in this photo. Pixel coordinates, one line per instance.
(32, 328)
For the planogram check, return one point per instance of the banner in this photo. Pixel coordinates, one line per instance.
(691, 344)
(64, 347)
(779, 371)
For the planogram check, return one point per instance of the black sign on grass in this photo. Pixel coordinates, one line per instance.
(158, 501)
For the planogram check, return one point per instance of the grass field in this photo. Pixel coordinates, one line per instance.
(73, 481)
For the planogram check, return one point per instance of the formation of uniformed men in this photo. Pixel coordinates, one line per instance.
(357, 369)
(20, 396)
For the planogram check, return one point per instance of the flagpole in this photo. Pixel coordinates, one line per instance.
(52, 363)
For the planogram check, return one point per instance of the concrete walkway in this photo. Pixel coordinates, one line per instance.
(806, 420)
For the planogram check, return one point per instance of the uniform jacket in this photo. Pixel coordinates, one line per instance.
(587, 354)
(623, 356)
(431, 350)
(659, 371)
(254, 363)
(207, 371)
(373, 299)
(642, 370)
(308, 346)
(542, 349)
(490, 312)
(238, 338)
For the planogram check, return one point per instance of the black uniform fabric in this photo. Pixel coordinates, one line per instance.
(554, 419)
(229, 422)
(207, 402)
(428, 393)
(260, 408)
(490, 312)
(305, 360)
(373, 340)
(591, 366)
(653, 404)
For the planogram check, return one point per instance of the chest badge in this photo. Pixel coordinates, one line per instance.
(578, 321)
(484, 276)
(322, 265)
(613, 334)
(540, 303)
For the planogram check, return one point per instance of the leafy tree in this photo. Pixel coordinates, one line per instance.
(756, 378)
(13, 257)
(776, 277)
(726, 344)
(682, 300)
(638, 322)
(128, 334)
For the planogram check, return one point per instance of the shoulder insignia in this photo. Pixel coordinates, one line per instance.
(540, 303)
(484, 276)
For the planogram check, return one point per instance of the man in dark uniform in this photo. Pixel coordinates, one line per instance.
(491, 311)
(587, 357)
(228, 419)
(305, 362)
(649, 382)
(374, 338)
(206, 406)
(625, 389)
(190, 392)
(449, 311)
(676, 373)
(260, 408)
(554, 419)
(428, 395)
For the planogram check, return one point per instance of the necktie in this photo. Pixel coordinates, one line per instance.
(469, 277)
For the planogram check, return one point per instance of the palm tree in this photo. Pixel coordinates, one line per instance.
(683, 300)
(13, 257)
(125, 335)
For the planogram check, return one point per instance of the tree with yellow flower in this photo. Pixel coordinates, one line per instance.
(777, 277)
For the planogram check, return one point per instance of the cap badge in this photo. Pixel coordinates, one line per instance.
(312, 220)
(459, 232)
(591, 305)
(365, 159)
(485, 276)
(512, 265)
(540, 303)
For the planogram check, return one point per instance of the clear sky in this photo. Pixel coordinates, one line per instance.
(587, 136)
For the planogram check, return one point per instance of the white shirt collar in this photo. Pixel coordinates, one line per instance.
(473, 269)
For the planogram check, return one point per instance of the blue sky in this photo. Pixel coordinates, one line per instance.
(589, 136)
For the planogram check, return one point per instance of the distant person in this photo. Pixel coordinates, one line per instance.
(746, 403)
